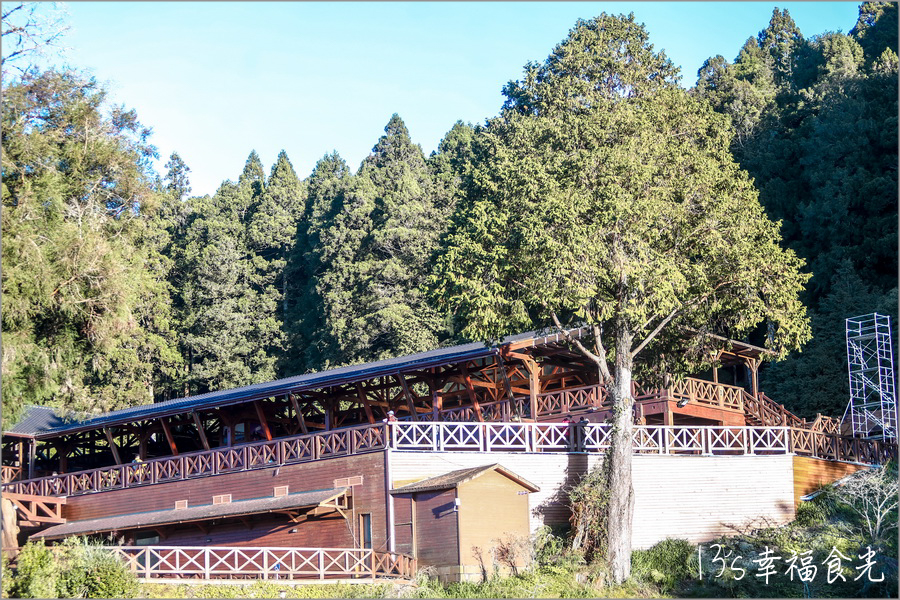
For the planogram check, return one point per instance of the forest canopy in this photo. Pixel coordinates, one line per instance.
(121, 288)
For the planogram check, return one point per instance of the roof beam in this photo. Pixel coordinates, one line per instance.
(262, 420)
(300, 418)
(365, 402)
(112, 446)
(168, 432)
(200, 430)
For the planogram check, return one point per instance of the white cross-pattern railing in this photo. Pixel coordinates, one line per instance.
(576, 437)
(242, 562)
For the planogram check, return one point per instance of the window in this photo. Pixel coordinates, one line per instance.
(365, 530)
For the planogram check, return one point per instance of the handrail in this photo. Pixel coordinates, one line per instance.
(10, 473)
(262, 562)
(453, 436)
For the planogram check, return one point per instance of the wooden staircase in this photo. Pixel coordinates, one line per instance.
(762, 411)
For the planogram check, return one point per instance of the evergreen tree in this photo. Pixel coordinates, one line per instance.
(305, 323)
(85, 319)
(177, 182)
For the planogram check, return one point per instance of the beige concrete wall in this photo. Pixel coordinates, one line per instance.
(694, 497)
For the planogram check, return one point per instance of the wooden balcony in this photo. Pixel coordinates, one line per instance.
(444, 436)
(8, 474)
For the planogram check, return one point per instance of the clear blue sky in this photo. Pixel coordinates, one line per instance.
(216, 80)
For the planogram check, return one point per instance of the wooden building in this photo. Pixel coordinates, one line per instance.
(307, 476)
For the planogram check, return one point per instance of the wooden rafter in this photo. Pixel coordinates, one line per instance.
(471, 390)
(300, 418)
(410, 402)
(261, 415)
(200, 430)
(168, 432)
(361, 394)
(112, 445)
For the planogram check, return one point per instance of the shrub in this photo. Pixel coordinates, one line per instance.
(88, 570)
(811, 514)
(36, 573)
(666, 563)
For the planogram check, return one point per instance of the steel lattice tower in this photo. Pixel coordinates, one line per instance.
(873, 402)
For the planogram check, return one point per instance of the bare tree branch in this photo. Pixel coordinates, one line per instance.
(598, 359)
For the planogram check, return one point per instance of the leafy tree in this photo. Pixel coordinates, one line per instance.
(85, 320)
(609, 197)
(876, 28)
(177, 182)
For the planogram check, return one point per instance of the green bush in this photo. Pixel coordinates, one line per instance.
(811, 514)
(36, 573)
(666, 563)
(88, 570)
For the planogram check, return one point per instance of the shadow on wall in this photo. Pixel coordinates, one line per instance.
(555, 509)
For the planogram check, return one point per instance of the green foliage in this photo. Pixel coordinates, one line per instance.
(666, 563)
(177, 182)
(589, 502)
(36, 573)
(85, 318)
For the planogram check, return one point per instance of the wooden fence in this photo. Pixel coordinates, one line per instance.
(9, 474)
(460, 436)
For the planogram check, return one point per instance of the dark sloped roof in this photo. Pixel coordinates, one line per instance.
(310, 381)
(37, 418)
(204, 512)
(455, 478)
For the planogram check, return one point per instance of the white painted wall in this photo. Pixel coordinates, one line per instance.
(697, 498)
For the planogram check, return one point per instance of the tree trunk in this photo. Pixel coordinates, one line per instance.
(621, 492)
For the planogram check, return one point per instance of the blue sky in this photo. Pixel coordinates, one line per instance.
(216, 80)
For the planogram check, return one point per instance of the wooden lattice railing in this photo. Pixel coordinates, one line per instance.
(238, 562)
(35, 511)
(9, 473)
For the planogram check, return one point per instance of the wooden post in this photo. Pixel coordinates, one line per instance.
(329, 414)
(262, 420)
(501, 366)
(365, 402)
(754, 375)
(169, 438)
(142, 444)
(112, 446)
(200, 431)
(534, 385)
(300, 418)
(471, 390)
(409, 398)
(31, 456)
(63, 450)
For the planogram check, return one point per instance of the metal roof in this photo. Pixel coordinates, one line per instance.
(41, 426)
(455, 478)
(204, 512)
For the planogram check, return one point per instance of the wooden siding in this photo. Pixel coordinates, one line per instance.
(694, 497)
(404, 526)
(811, 474)
(491, 510)
(437, 539)
(329, 531)
(367, 498)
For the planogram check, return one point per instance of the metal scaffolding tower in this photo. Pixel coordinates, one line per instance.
(873, 402)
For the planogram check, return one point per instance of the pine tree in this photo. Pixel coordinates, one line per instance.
(305, 322)
(177, 182)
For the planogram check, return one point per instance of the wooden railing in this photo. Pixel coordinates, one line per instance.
(246, 562)
(35, 511)
(561, 402)
(709, 393)
(285, 451)
(817, 444)
(769, 413)
(8, 474)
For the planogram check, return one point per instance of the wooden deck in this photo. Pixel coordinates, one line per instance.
(460, 436)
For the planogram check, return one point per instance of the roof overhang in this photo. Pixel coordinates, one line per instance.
(319, 502)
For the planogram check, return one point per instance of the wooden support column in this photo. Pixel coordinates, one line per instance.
(534, 384)
(32, 451)
(409, 398)
(200, 430)
(754, 376)
(471, 389)
(329, 413)
(169, 438)
(112, 446)
(365, 402)
(300, 418)
(62, 450)
(262, 420)
(668, 416)
(23, 460)
(501, 366)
